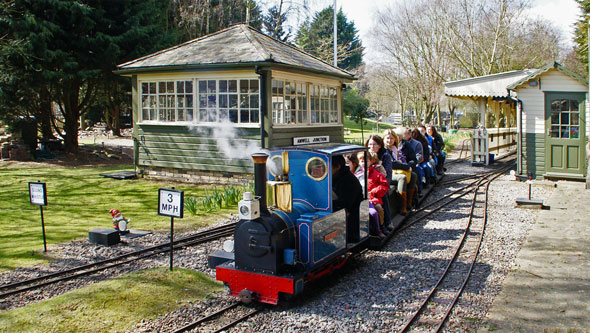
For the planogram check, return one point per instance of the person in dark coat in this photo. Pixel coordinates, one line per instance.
(347, 194)
(438, 145)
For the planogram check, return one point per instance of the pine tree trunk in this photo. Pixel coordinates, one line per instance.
(114, 123)
(71, 127)
(45, 115)
(72, 116)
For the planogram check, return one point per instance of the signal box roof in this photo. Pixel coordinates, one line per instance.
(235, 46)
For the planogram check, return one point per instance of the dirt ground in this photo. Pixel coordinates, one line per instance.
(106, 151)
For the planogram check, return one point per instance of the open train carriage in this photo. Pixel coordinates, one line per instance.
(299, 237)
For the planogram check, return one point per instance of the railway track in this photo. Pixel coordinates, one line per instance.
(222, 319)
(427, 209)
(436, 307)
(99, 266)
(474, 176)
(465, 144)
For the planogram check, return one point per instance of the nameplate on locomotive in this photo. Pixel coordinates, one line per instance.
(330, 236)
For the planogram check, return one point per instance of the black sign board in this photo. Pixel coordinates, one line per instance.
(38, 196)
(37, 193)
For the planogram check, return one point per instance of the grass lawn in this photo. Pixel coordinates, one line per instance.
(114, 305)
(79, 200)
(355, 136)
(370, 128)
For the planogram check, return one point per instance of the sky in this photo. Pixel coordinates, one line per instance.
(563, 13)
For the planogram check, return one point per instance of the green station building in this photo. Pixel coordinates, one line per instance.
(202, 107)
(551, 111)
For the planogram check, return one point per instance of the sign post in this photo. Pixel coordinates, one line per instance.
(38, 196)
(171, 203)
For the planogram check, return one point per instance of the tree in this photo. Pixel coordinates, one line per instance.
(316, 37)
(70, 49)
(137, 28)
(23, 92)
(196, 18)
(353, 103)
(430, 42)
(581, 36)
(273, 23)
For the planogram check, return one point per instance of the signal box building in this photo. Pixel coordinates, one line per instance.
(551, 111)
(202, 107)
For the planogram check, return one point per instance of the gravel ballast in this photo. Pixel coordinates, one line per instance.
(375, 292)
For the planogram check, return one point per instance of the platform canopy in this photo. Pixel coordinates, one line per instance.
(491, 92)
(488, 86)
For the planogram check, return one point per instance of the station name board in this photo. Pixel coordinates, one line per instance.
(310, 140)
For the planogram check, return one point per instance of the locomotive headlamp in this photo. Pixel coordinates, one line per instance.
(249, 207)
(244, 210)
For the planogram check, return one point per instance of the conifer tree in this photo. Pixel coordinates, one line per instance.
(68, 48)
(316, 37)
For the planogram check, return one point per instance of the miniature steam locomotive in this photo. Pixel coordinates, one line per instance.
(289, 234)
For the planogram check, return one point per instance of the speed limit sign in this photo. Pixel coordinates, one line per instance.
(171, 203)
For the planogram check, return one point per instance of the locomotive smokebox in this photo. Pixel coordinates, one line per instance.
(260, 180)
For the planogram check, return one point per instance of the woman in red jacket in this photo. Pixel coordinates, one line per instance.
(377, 186)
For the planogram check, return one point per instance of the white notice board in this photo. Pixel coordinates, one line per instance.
(171, 202)
(37, 193)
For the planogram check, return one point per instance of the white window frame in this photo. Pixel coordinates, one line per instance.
(309, 82)
(194, 77)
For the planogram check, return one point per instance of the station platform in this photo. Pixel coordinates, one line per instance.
(549, 291)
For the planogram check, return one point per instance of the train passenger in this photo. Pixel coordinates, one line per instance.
(438, 144)
(375, 144)
(417, 157)
(406, 150)
(353, 163)
(434, 156)
(374, 227)
(346, 194)
(429, 170)
(401, 172)
(377, 187)
(431, 157)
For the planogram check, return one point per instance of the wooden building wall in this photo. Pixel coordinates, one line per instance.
(197, 147)
(533, 117)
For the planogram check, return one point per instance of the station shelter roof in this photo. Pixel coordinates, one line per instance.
(540, 71)
(488, 86)
(234, 46)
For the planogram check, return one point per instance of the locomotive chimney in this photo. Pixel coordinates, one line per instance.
(260, 180)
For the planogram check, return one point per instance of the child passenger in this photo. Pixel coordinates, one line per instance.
(377, 186)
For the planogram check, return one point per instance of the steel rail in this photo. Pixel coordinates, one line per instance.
(83, 270)
(457, 252)
(468, 275)
(194, 324)
(466, 177)
(239, 320)
(447, 269)
(406, 226)
(459, 159)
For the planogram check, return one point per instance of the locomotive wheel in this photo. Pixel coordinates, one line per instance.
(246, 296)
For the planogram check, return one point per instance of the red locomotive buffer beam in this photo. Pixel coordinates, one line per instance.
(264, 288)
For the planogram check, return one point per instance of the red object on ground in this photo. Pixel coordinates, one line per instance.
(265, 287)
